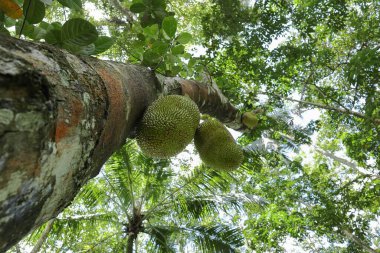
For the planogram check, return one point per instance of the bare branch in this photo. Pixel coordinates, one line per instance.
(123, 10)
(43, 237)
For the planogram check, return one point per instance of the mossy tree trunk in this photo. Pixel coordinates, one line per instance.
(62, 116)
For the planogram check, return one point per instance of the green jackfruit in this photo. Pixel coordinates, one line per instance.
(216, 146)
(168, 126)
(250, 120)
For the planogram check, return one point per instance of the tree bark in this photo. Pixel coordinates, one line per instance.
(130, 240)
(62, 116)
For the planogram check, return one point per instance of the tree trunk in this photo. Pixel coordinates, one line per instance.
(130, 240)
(332, 108)
(346, 111)
(358, 241)
(62, 116)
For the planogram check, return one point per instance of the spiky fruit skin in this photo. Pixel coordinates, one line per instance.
(250, 120)
(168, 126)
(216, 146)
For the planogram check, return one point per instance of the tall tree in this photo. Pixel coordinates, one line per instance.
(280, 59)
(66, 129)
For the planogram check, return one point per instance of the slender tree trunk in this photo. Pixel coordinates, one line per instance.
(328, 107)
(358, 241)
(123, 10)
(130, 241)
(62, 116)
(332, 108)
(43, 237)
(343, 161)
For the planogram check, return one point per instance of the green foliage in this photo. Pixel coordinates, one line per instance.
(72, 4)
(312, 181)
(77, 33)
(34, 11)
(155, 42)
(133, 186)
(169, 25)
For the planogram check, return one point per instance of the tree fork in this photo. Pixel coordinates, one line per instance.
(62, 116)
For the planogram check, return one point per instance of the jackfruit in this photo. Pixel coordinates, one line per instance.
(216, 146)
(168, 126)
(250, 120)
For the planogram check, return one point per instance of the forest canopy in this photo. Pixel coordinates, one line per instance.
(310, 178)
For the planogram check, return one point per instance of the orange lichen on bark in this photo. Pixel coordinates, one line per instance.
(115, 123)
(68, 118)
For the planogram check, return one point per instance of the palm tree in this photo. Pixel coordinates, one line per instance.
(147, 205)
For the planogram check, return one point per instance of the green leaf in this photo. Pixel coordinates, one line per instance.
(150, 57)
(102, 44)
(44, 25)
(56, 25)
(34, 11)
(171, 59)
(160, 14)
(169, 24)
(151, 31)
(78, 32)
(72, 4)
(184, 38)
(192, 62)
(9, 22)
(53, 36)
(175, 70)
(180, 49)
(186, 56)
(146, 19)
(160, 47)
(39, 33)
(137, 8)
(141, 36)
(28, 29)
(158, 4)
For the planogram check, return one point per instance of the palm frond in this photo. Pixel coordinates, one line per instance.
(92, 194)
(160, 239)
(195, 207)
(206, 181)
(218, 238)
(214, 239)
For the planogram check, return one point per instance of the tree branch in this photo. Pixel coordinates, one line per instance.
(65, 115)
(342, 110)
(345, 162)
(43, 237)
(327, 107)
(123, 10)
(358, 241)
